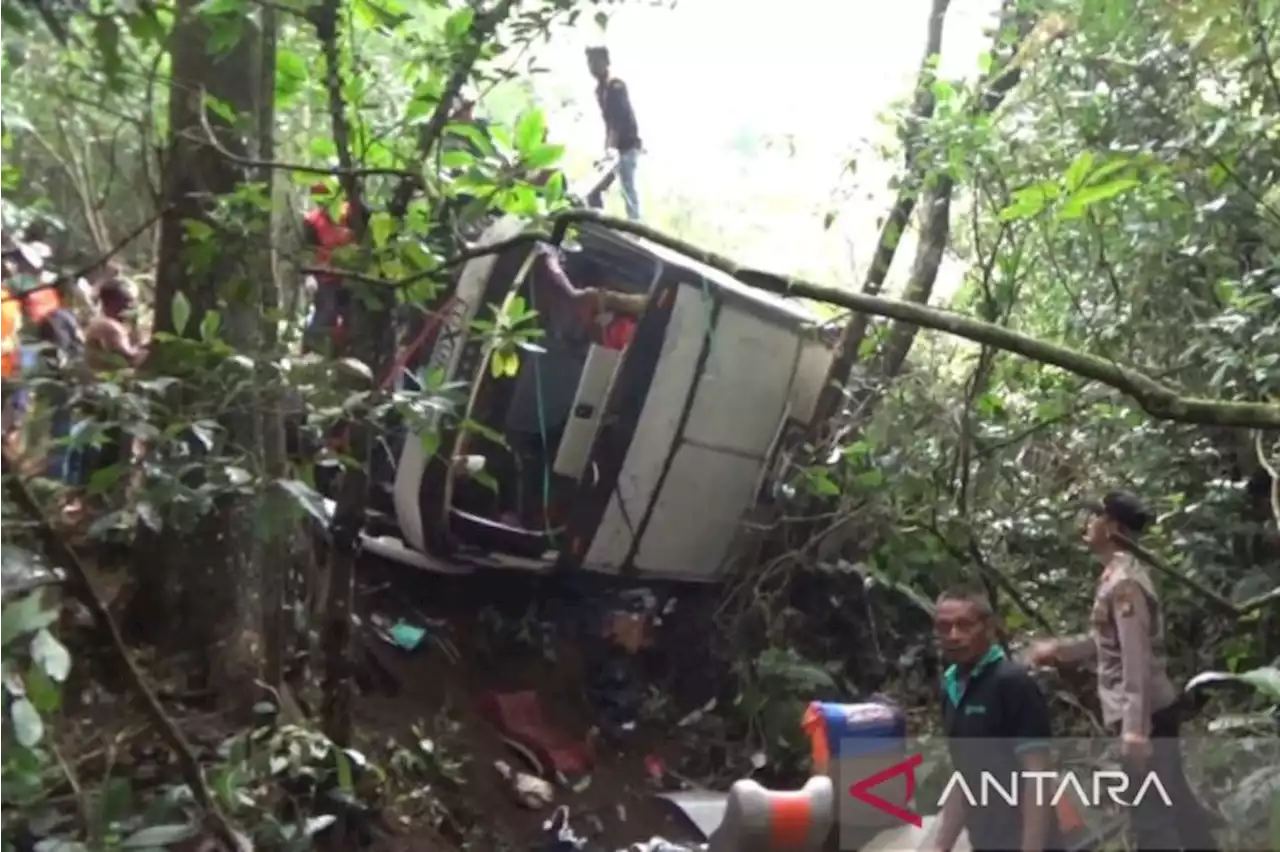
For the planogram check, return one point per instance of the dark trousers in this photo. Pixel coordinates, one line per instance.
(332, 302)
(1154, 825)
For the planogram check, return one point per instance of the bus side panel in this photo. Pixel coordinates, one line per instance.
(722, 450)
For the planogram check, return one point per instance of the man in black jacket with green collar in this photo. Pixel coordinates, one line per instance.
(996, 722)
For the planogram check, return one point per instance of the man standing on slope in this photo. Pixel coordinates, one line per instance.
(997, 723)
(1126, 641)
(622, 134)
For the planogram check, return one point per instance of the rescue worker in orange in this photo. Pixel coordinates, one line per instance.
(30, 300)
(1139, 703)
(332, 298)
(11, 356)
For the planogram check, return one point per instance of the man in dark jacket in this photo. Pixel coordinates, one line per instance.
(622, 133)
(996, 722)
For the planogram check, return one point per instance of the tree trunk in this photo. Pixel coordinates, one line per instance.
(895, 224)
(213, 580)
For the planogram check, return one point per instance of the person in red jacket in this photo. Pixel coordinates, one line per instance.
(332, 298)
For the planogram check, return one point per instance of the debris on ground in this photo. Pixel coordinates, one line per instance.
(521, 722)
(530, 791)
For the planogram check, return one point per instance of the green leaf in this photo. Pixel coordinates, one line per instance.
(159, 836)
(1078, 171)
(180, 312)
(42, 691)
(222, 7)
(870, 478)
(345, 782)
(457, 159)
(822, 485)
(543, 156)
(28, 727)
(459, 23)
(503, 364)
(430, 443)
(25, 615)
(51, 655)
(1030, 201)
(1081, 201)
(1107, 169)
(225, 32)
(307, 498)
(381, 225)
(209, 325)
(531, 129)
(291, 75)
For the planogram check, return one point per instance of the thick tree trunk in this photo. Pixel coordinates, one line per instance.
(210, 574)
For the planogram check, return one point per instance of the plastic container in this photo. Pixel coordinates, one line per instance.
(838, 731)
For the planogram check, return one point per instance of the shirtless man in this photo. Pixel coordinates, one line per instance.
(109, 346)
(108, 342)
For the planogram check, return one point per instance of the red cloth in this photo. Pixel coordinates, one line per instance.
(619, 333)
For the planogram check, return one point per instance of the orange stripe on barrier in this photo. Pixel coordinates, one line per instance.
(819, 747)
(790, 820)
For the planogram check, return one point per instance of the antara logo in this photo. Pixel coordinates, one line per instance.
(1050, 788)
(1047, 789)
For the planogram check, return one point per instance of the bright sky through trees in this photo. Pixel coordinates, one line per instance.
(750, 111)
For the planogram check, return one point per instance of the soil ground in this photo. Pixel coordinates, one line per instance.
(442, 695)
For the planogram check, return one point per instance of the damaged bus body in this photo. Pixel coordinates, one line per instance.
(647, 457)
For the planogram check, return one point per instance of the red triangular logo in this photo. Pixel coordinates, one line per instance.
(861, 790)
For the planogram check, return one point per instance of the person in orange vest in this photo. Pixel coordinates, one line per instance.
(11, 359)
(332, 299)
(23, 264)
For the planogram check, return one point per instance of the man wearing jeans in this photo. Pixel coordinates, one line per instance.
(1138, 700)
(622, 134)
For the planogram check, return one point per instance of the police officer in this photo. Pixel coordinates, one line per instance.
(996, 721)
(1126, 641)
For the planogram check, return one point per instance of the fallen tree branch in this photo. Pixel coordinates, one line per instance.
(455, 260)
(1236, 610)
(1154, 397)
(62, 554)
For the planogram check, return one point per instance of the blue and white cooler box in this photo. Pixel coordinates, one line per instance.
(855, 743)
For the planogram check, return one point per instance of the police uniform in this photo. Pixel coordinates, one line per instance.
(1127, 643)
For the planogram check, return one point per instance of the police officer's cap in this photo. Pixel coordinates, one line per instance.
(1124, 508)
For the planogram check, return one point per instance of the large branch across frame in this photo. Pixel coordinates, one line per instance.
(1154, 397)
